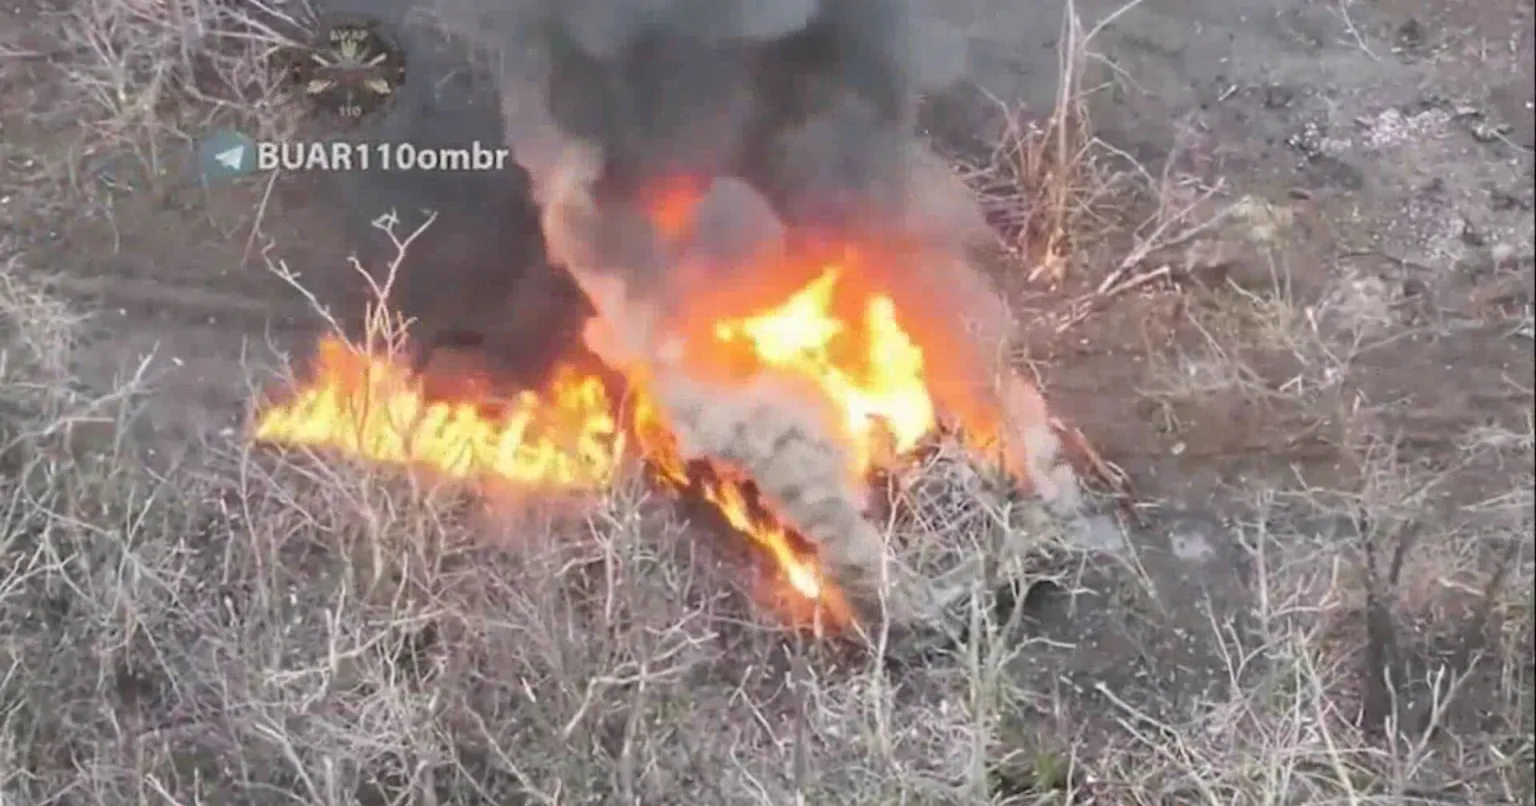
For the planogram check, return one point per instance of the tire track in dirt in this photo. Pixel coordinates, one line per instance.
(200, 354)
(180, 302)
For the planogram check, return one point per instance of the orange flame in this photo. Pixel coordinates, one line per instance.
(566, 439)
(871, 375)
(825, 326)
(727, 494)
(368, 407)
(672, 205)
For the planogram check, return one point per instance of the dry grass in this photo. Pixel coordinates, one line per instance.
(287, 627)
(1393, 595)
(274, 629)
(153, 76)
(290, 629)
(1052, 186)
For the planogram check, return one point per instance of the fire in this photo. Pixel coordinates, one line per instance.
(672, 205)
(872, 375)
(843, 340)
(565, 438)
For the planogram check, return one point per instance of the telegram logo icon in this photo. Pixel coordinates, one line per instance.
(226, 154)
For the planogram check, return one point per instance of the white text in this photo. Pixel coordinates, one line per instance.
(339, 156)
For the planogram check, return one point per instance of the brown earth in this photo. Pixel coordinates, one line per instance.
(1349, 352)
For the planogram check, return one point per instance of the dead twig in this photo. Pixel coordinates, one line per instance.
(1161, 239)
(1088, 304)
(1092, 465)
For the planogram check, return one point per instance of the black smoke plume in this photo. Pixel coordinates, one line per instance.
(478, 278)
(795, 118)
(800, 110)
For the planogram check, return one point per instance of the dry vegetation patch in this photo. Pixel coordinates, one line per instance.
(280, 628)
(271, 627)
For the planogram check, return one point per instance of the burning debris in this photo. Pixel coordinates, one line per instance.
(775, 271)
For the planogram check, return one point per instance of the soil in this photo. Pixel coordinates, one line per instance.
(1396, 135)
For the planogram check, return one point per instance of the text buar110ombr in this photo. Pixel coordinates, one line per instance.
(345, 156)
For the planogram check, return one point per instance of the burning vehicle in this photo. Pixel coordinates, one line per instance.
(723, 253)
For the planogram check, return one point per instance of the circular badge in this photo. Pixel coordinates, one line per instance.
(350, 69)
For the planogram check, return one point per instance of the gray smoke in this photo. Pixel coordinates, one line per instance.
(795, 117)
(808, 103)
(798, 111)
(735, 227)
(774, 435)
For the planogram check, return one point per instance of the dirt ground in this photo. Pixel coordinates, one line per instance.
(1336, 361)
